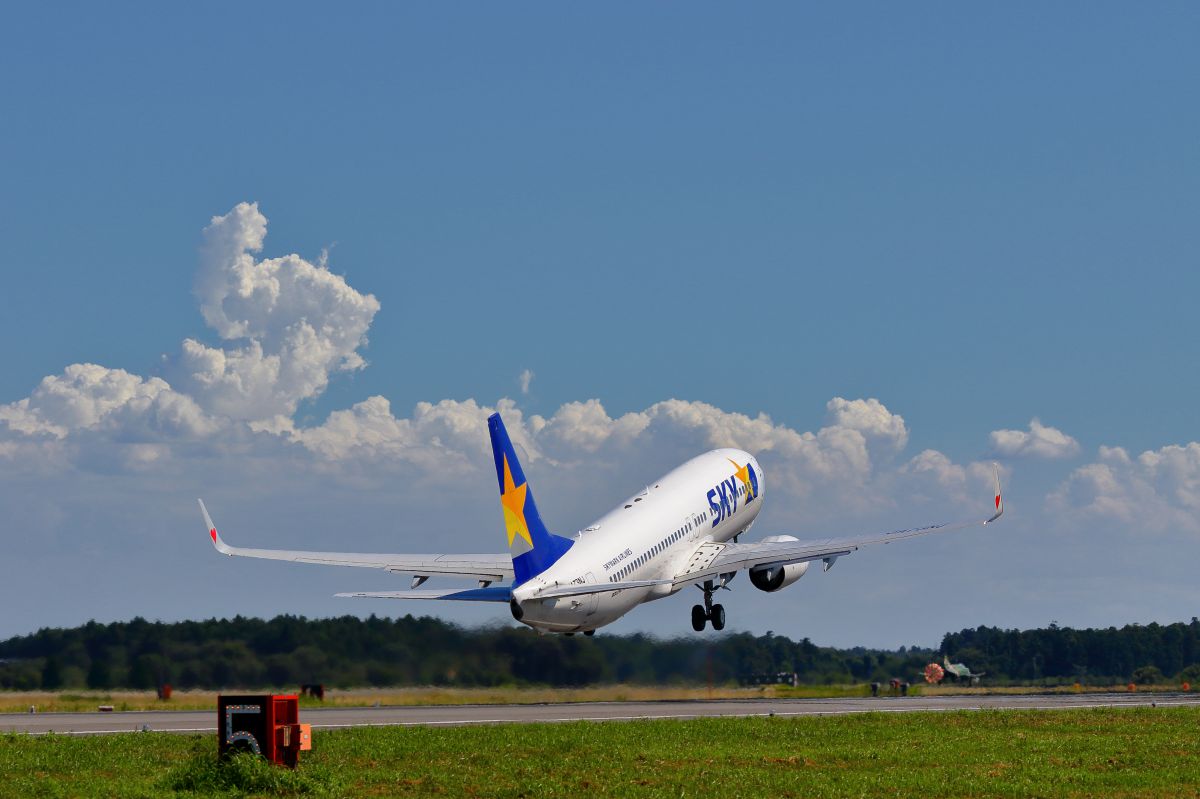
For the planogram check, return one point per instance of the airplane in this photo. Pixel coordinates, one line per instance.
(961, 671)
(682, 530)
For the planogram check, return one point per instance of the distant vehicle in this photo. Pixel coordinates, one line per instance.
(959, 671)
(681, 530)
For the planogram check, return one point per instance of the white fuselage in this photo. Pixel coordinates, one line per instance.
(653, 535)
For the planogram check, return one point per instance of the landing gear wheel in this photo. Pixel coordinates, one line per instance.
(717, 616)
(589, 633)
(698, 618)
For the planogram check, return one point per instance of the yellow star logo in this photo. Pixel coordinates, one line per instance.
(743, 474)
(512, 499)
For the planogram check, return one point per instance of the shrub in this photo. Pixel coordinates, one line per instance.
(243, 773)
(1148, 675)
(1191, 674)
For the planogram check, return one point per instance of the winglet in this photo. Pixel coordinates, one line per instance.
(220, 545)
(999, 498)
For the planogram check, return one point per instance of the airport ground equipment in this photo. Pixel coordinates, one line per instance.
(265, 724)
(789, 678)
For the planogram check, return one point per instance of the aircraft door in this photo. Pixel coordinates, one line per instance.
(590, 600)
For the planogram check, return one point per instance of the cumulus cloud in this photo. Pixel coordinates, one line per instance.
(300, 323)
(842, 455)
(1040, 441)
(447, 433)
(287, 325)
(87, 397)
(932, 475)
(842, 447)
(870, 418)
(1158, 490)
(290, 324)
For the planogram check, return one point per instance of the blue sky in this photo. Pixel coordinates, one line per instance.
(976, 216)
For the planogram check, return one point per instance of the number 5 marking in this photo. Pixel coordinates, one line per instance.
(232, 737)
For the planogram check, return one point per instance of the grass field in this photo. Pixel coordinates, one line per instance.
(1140, 752)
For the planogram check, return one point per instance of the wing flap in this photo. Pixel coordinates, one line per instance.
(580, 589)
(492, 594)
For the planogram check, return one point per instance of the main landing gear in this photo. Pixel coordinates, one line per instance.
(708, 611)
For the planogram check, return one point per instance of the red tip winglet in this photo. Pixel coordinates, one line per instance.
(213, 532)
(997, 508)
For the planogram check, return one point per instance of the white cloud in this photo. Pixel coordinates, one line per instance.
(936, 465)
(451, 434)
(839, 448)
(300, 321)
(1158, 491)
(1041, 441)
(296, 321)
(870, 418)
(932, 476)
(87, 396)
(290, 324)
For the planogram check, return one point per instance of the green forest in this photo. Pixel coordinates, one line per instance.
(353, 652)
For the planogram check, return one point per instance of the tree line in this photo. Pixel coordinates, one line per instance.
(1141, 653)
(349, 651)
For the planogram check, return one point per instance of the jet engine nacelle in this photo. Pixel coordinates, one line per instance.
(775, 577)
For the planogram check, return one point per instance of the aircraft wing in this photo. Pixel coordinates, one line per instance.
(713, 560)
(493, 568)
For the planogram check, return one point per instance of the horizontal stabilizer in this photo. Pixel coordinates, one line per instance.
(490, 594)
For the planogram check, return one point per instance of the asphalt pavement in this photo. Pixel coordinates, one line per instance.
(455, 715)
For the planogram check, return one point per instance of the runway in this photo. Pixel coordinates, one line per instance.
(457, 715)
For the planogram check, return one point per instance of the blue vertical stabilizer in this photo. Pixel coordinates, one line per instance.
(533, 548)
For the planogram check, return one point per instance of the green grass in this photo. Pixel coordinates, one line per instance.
(1136, 752)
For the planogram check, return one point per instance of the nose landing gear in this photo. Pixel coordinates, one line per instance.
(708, 611)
